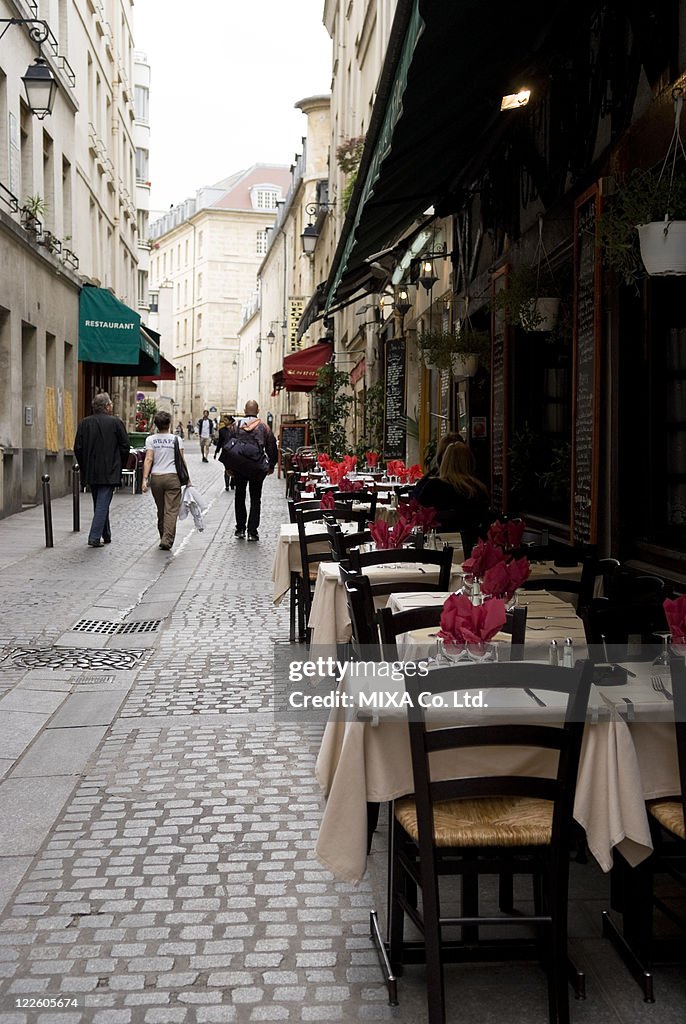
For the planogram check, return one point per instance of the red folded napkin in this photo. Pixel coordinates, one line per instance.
(327, 500)
(507, 535)
(418, 515)
(415, 473)
(675, 613)
(465, 623)
(503, 578)
(371, 458)
(484, 556)
(389, 537)
(346, 484)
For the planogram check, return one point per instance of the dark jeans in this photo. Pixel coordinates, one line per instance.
(255, 503)
(100, 527)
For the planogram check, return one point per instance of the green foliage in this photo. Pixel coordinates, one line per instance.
(332, 402)
(349, 153)
(539, 469)
(430, 453)
(556, 479)
(517, 302)
(642, 198)
(146, 410)
(35, 205)
(437, 348)
(348, 189)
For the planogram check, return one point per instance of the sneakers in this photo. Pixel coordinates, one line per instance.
(253, 536)
(238, 532)
(96, 543)
(165, 547)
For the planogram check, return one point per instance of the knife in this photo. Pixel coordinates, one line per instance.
(533, 696)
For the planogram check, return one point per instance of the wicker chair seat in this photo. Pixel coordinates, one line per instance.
(670, 814)
(487, 821)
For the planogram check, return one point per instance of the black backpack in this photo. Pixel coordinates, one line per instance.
(245, 456)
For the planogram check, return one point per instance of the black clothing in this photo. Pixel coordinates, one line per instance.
(101, 448)
(252, 428)
(457, 511)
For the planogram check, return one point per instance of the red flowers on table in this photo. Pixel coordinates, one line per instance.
(465, 623)
(327, 500)
(484, 556)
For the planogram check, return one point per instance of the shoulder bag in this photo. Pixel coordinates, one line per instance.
(179, 464)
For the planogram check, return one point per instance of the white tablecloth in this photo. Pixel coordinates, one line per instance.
(621, 766)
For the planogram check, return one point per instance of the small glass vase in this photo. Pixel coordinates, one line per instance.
(463, 653)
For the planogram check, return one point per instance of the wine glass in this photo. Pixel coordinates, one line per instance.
(663, 657)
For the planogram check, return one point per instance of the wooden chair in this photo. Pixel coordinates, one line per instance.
(393, 624)
(583, 588)
(311, 554)
(360, 603)
(633, 887)
(442, 559)
(305, 505)
(633, 608)
(351, 498)
(486, 825)
(341, 543)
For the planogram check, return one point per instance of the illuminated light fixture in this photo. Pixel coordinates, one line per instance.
(402, 302)
(427, 278)
(516, 100)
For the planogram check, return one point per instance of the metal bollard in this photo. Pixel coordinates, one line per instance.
(47, 512)
(76, 498)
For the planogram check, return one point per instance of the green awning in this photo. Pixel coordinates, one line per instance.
(111, 334)
(437, 114)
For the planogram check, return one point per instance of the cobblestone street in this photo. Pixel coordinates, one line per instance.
(158, 824)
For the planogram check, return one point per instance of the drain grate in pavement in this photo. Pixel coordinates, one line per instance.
(102, 626)
(75, 657)
(92, 680)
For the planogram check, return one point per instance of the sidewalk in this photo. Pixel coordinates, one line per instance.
(157, 823)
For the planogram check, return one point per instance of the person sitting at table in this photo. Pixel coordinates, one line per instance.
(452, 438)
(459, 497)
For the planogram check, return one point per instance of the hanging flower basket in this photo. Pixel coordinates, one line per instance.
(663, 247)
(465, 364)
(539, 314)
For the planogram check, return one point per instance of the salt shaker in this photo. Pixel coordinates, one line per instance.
(476, 596)
(553, 653)
(568, 653)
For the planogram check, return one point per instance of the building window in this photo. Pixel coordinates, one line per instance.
(199, 285)
(265, 198)
(198, 327)
(200, 241)
(142, 289)
(185, 252)
(142, 165)
(261, 243)
(141, 98)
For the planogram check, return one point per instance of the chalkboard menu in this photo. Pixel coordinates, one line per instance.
(444, 403)
(499, 399)
(586, 370)
(394, 414)
(293, 436)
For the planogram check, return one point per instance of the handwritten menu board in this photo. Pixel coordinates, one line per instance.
(586, 370)
(444, 407)
(499, 399)
(394, 416)
(293, 436)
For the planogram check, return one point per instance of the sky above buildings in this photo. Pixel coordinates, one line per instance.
(225, 77)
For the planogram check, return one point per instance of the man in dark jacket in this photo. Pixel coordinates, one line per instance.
(250, 427)
(102, 450)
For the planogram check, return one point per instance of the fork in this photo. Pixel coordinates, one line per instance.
(659, 687)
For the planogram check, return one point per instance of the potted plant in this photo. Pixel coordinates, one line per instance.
(33, 208)
(529, 301)
(643, 229)
(457, 351)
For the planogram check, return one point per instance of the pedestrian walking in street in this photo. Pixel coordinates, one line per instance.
(179, 430)
(205, 431)
(189, 427)
(252, 458)
(102, 450)
(160, 470)
(223, 435)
